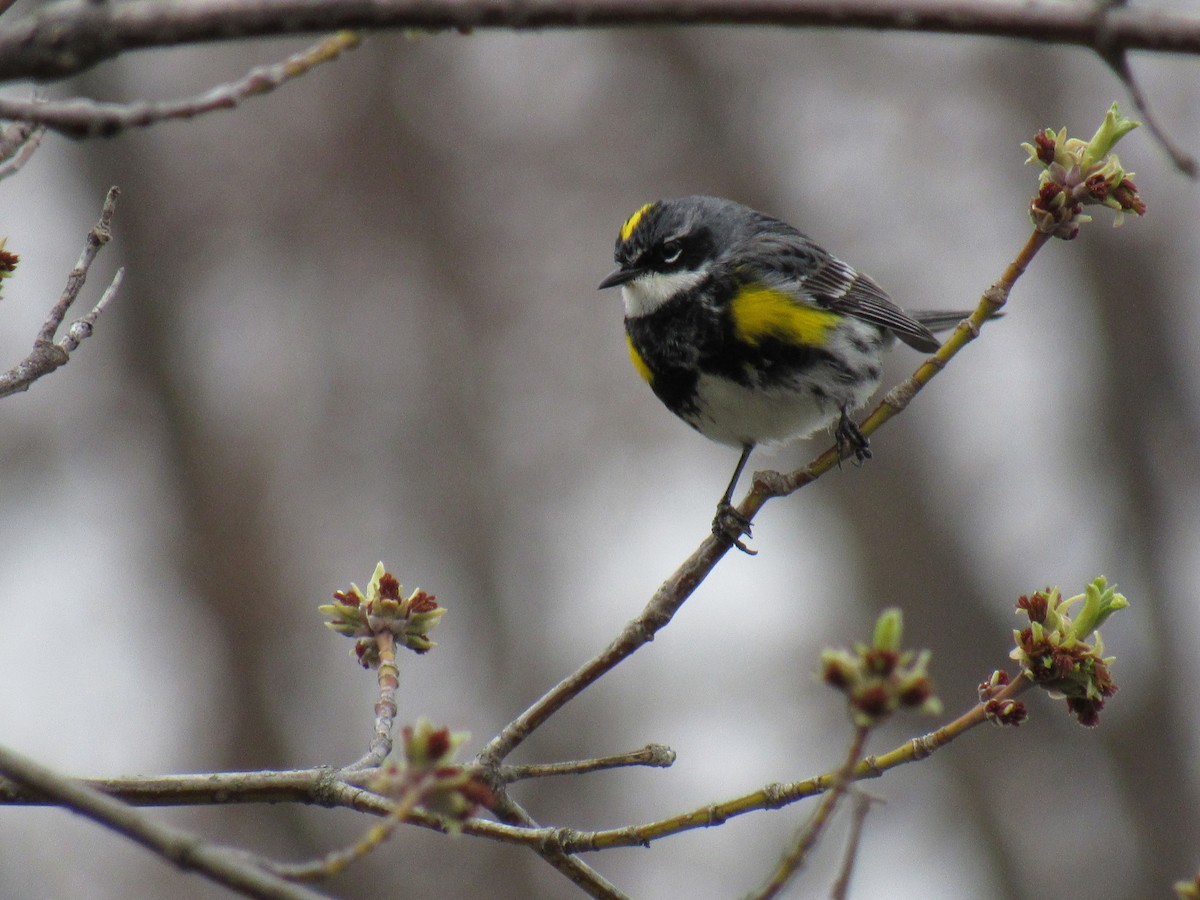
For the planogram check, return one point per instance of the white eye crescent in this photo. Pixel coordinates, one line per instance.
(671, 252)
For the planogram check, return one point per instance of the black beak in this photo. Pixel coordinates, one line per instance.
(619, 276)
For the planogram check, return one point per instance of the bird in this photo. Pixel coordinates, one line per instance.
(752, 333)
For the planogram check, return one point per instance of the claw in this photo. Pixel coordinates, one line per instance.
(730, 524)
(850, 440)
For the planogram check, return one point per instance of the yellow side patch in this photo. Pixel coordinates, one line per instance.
(632, 222)
(638, 363)
(762, 312)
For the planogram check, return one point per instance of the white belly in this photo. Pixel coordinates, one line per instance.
(732, 413)
(729, 413)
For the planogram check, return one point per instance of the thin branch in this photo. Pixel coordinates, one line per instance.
(321, 786)
(775, 484)
(180, 848)
(388, 679)
(797, 854)
(66, 38)
(550, 848)
(47, 354)
(776, 796)
(337, 861)
(88, 119)
(18, 142)
(636, 634)
(1180, 158)
(329, 787)
(862, 806)
(657, 755)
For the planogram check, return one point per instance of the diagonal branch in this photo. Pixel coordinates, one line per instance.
(18, 142)
(86, 118)
(804, 842)
(1180, 158)
(176, 846)
(66, 38)
(49, 354)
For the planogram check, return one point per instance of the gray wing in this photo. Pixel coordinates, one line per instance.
(787, 259)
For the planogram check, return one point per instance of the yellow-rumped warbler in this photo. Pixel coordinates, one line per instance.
(750, 332)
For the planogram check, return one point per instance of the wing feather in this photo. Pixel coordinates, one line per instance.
(791, 263)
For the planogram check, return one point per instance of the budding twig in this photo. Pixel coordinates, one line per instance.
(48, 354)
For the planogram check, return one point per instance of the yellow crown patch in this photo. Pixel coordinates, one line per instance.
(632, 222)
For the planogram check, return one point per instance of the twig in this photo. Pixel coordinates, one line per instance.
(636, 634)
(87, 119)
(775, 484)
(862, 806)
(385, 706)
(550, 848)
(658, 755)
(779, 795)
(1118, 60)
(329, 787)
(322, 786)
(48, 355)
(67, 38)
(182, 849)
(796, 855)
(18, 142)
(339, 860)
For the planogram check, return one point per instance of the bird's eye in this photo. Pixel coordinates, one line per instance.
(671, 251)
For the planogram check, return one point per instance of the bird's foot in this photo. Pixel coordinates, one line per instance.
(730, 525)
(851, 441)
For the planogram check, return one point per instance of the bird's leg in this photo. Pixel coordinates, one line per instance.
(728, 522)
(850, 440)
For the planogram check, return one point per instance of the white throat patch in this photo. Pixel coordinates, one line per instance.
(648, 292)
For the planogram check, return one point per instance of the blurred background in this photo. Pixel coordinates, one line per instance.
(360, 322)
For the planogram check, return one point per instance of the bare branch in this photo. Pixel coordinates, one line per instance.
(182, 849)
(657, 755)
(323, 786)
(639, 631)
(1180, 158)
(87, 119)
(18, 142)
(551, 849)
(68, 37)
(776, 796)
(804, 842)
(558, 845)
(47, 354)
(862, 806)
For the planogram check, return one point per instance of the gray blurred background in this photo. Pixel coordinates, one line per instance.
(360, 322)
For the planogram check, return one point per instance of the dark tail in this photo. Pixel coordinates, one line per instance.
(939, 319)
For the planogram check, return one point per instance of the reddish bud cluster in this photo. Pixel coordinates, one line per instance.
(427, 771)
(1035, 606)
(1045, 142)
(1005, 712)
(389, 587)
(383, 613)
(1052, 653)
(879, 679)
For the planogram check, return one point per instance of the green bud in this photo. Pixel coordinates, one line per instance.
(1115, 127)
(1100, 601)
(889, 629)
